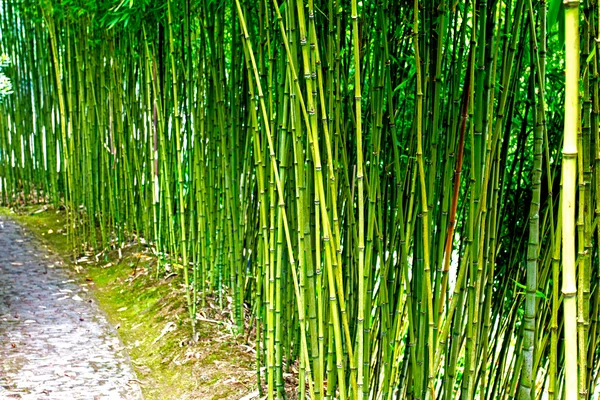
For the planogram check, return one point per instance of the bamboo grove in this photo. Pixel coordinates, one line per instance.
(397, 200)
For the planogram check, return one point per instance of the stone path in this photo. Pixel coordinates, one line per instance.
(54, 341)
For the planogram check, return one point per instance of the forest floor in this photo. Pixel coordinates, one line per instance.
(152, 318)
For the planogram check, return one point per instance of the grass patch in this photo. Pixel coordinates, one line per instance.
(152, 319)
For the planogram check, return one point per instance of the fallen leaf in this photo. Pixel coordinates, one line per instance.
(250, 396)
(170, 326)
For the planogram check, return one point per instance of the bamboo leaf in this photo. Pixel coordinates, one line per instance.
(591, 55)
(553, 13)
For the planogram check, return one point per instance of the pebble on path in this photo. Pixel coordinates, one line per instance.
(55, 344)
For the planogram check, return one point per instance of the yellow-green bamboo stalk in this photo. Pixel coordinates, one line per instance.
(569, 175)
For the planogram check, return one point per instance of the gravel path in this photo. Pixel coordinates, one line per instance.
(54, 341)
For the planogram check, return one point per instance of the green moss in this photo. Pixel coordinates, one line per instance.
(153, 321)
